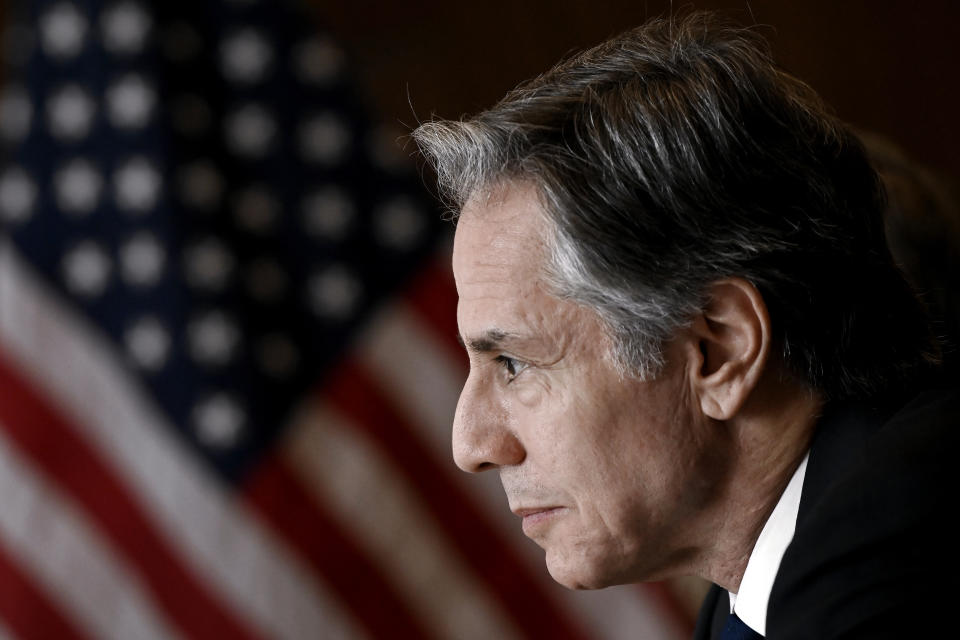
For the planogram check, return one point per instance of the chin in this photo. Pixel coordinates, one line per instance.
(580, 572)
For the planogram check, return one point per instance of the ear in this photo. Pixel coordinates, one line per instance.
(729, 346)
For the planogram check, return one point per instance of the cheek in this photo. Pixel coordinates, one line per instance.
(624, 453)
(588, 448)
(533, 391)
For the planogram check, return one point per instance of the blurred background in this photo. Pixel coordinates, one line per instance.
(228, 360)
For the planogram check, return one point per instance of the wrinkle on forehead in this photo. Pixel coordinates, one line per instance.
(500, 236)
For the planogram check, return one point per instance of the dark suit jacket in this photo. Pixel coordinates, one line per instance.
(874, 554)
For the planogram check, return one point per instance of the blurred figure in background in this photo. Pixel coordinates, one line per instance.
(922, 221)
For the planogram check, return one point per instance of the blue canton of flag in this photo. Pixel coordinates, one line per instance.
(202, 184)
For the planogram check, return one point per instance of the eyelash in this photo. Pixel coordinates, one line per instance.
(512, 366)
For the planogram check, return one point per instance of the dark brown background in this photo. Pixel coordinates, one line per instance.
(886, 66)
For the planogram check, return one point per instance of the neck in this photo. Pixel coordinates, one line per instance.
(767, 441)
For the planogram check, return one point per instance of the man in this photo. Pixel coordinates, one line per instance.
(690, 350)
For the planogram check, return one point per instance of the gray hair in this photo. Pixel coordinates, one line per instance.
(676, 154)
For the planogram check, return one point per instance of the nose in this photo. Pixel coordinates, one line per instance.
(482, 436)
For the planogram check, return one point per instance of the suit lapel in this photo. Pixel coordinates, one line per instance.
(839, 441)
(841, 436)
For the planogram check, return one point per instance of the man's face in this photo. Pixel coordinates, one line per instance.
(608, 473)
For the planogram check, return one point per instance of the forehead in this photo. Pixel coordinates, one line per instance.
(499, 255)
(500, 238)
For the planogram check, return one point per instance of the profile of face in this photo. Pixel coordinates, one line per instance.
(608, 473)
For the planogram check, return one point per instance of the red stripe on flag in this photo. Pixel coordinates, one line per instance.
(433, 295)
(282, 500)
(354, 392)
(25, 608)
(53, 443)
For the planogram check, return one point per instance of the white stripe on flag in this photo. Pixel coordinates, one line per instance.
(424, 381)
(370, 497)
(248, 566)
(411, 361)
(77, 568)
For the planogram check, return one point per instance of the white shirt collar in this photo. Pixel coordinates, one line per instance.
(751, 601)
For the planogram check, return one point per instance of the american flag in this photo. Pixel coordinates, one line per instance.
(227, 352)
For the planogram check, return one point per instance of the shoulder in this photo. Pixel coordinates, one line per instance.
(872, 556)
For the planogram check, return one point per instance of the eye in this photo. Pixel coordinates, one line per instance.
(512, 366)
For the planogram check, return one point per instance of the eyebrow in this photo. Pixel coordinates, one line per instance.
(489, 340)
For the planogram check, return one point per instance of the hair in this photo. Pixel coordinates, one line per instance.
(677, 154)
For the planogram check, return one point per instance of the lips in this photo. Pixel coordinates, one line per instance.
(536, 517)
(530, 511)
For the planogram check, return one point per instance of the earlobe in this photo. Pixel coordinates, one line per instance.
(729, 346)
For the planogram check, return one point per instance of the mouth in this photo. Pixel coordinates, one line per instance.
(536, 517)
